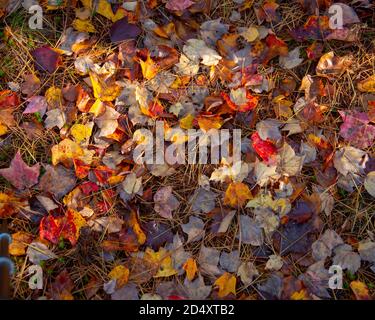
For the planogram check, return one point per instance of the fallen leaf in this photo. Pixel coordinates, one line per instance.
(226, 284)
(61, 288)
(163, 259)
(121, 30)
(178, 5)
(194, 229)
(230, 261)
(36, 104)
(19, 174)
(165, 202)
(197, 289)
(367, 85)
(20, 241)
(149, 68)
(346, 258)
(237, 194)
(264, 148)
(190, 266)
(357, 130)
(83, 25)
(64, 151)
(247, 272)
(208, 260)
(250, 231)
(274, 263)
(46, 59)
(38, 251)
(120, 274)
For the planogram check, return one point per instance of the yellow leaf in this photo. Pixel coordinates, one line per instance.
(19, 243)
(81, 132)
(237, 194)
(103, 8)
(360, 290)
(97, 108)
(102, 90)
(226, 284)
(282, 106)
(149, 68)
(120, 274)
(367, 85)
(65, 150)
(83, 25)
(163, 259)
(209, 122)
(300, 295)
(115, 180)
(281, 205)
(54, 97)
(251, 34)
(190, 266)
(187, 122)
(120, 13)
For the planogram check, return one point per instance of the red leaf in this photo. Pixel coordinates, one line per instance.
(8, 99)
(252, 102)
(19, 174)
(49, 229)
(88, 187)
(265, 149)
(81, 169)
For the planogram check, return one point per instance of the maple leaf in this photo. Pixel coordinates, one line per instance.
(237, 194)
(226, 284)
(19, 174)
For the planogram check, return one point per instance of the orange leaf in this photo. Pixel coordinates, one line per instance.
(120, 274)
(19, 243)
(190, 266)
(367, 85)
(149, 68)
(237, 194)
(226, 284)
(207, 121)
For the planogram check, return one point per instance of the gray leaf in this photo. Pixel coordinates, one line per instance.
(250, 231)
(230, 261)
